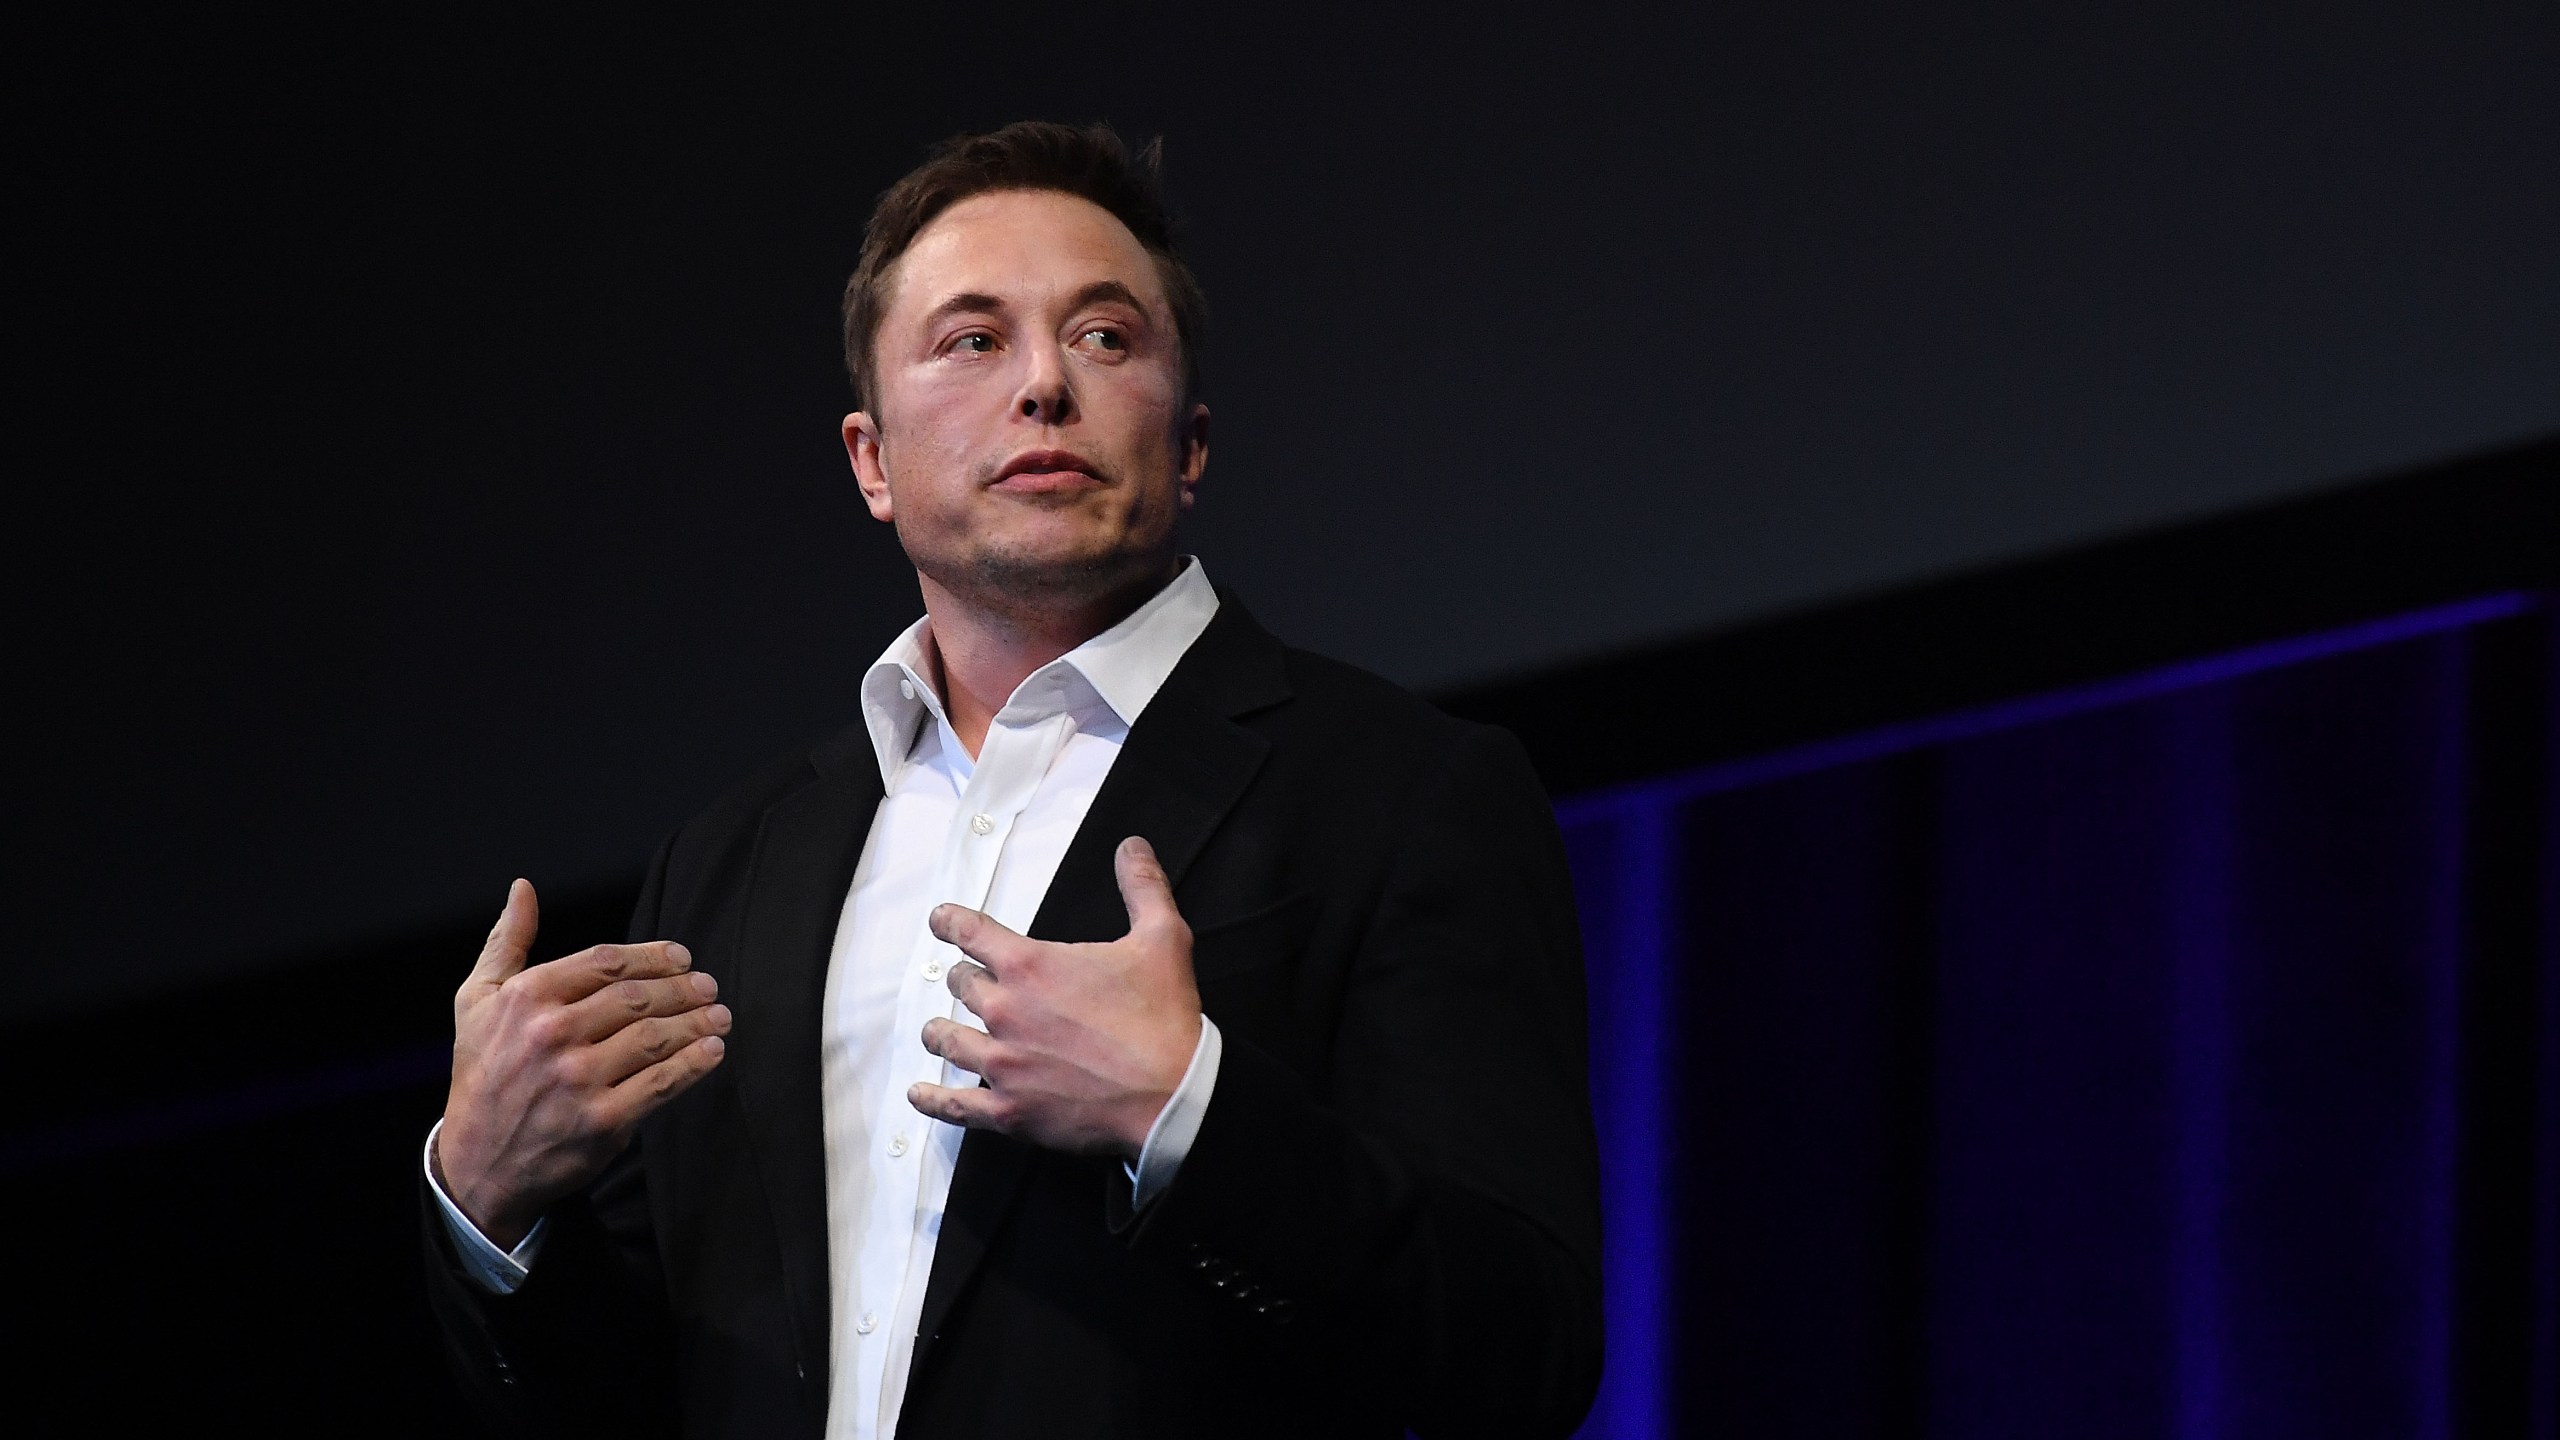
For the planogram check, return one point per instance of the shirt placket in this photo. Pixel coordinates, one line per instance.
(1000, 785)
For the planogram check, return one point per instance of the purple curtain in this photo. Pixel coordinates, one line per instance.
(2172, 1057)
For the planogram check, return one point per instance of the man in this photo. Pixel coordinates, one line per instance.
(1131, 1027)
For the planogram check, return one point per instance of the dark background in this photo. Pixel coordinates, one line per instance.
(425, 428)
(427, 423)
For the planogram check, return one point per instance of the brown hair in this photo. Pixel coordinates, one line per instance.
(1088, 161)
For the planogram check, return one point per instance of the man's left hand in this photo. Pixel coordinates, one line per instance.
(1084, 1043)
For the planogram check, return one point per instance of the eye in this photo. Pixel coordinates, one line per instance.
(1102, 339)
(975, 344)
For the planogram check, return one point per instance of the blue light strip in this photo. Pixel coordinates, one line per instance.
(1634, 1068)
(2200, 1070)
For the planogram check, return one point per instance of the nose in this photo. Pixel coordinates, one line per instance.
(1046, 397)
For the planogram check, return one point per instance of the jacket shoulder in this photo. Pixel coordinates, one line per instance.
(1335, 690)
(1341, 715)
(720, 835)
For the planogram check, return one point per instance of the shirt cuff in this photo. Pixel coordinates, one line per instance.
(500, 1271)
(1177, 1124)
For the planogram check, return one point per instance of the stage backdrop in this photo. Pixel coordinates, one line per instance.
(2174, 1057)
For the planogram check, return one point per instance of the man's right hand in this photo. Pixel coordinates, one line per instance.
(556, 1064)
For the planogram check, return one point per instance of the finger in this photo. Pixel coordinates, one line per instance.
(974, 1106)
(959, 1044)
(624, 1001)
(968, 982)
(977, 936)
(511, 939)
(631, 1101)
(1144, 888)
(572, 978)
(643, 1043)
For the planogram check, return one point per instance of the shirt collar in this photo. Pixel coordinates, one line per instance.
(1123, 667)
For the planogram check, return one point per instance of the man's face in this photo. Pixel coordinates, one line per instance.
(1031, 438)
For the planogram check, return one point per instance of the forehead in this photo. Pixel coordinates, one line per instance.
(1020, 245)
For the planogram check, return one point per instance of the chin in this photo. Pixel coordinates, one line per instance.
(1065, 572)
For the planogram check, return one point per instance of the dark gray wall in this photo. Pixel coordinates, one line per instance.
(431, 421)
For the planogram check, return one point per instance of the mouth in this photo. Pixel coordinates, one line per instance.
(1038, 472)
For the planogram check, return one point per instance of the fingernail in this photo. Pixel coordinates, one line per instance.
(714, 1046)
(679, 954)
(939, 921)
(720, 1016)
(704, 985)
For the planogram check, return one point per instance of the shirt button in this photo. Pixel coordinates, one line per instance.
(933, 969)
(868, 1323)
(980, 824)
(897, 1145)
(907, 689)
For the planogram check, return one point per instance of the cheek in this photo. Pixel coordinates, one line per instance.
(928, 443)
(1144, 406)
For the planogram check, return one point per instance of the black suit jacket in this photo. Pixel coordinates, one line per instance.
(1389, 1218)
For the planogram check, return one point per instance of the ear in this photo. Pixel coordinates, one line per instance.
(1195, 450)
(862, 447)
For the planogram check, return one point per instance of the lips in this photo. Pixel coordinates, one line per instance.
(1046, 470)
(1048, 462)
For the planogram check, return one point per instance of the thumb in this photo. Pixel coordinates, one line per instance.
(511, 940)
(1144, 888)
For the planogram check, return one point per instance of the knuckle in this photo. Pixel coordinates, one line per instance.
(548, 1029)
(993, 1005)
(633, 994)
(612, 961)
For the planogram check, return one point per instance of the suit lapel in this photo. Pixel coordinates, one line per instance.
(1184, 766)
(806, 852)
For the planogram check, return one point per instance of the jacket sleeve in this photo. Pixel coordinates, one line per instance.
(1423, 1219)
(584, 1346)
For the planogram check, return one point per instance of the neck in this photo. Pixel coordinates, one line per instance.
(984, 649)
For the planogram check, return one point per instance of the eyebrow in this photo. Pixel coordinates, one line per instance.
(1101, 290)
(970, 302)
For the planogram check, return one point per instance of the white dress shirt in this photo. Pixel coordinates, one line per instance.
(987, 834)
